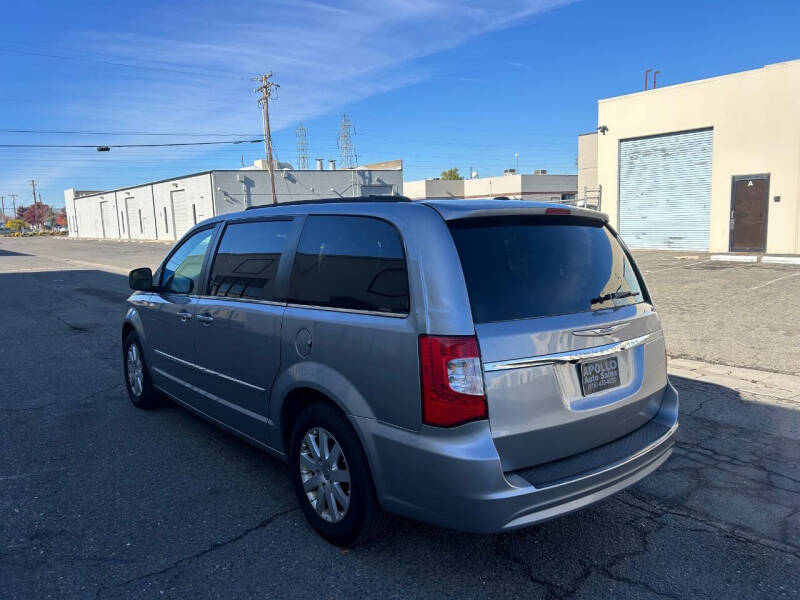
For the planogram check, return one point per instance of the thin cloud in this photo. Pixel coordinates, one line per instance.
(324, 57)
(520, 65)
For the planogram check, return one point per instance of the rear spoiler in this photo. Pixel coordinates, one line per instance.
(451, 213)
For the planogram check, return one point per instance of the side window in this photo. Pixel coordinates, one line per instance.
(182, 271)
(247, 260)
(350, 262)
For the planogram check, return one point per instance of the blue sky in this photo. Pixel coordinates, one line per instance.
(439, 84)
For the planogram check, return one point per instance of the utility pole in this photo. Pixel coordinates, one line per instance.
(14, 205)
(35, 209)
(268, 89)
(3, 208)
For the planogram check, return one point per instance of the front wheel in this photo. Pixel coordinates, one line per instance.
(331, 477)
(137, 377)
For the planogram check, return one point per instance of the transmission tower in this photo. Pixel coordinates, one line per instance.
(347, 153)
(302, 147)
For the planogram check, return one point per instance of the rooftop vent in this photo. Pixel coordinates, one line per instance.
(510, 172)
(540, 172)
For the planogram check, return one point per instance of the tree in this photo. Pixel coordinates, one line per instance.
(21, 212)
(15, 224)
(61, 217)
(37, 214)
(451, 174)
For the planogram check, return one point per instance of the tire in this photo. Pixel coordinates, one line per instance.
(363, 516)
(140, 390)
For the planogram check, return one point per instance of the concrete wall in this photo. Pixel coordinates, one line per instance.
(587, 163)
(175, 199)
(756, 120)
(434, 188)
(235, 190)
(528, 187)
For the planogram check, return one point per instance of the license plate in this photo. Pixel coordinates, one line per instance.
(598, 375)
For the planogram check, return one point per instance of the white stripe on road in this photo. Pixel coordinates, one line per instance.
(775, 280)
(676, 267)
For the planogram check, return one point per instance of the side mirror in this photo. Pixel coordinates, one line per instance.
(141, 279)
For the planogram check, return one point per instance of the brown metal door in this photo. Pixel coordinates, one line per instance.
(749, 213)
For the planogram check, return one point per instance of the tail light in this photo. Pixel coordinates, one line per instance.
(452, 380)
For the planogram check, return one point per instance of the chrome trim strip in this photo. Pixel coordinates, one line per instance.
(186, 363)
(211, 396)
(241, 300)
(565, 357)
(375, 313)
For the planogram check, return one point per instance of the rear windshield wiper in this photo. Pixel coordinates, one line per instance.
(613, 296)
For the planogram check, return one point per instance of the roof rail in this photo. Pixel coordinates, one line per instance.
(337, 200)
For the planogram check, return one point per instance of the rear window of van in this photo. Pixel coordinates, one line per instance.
(525, 267)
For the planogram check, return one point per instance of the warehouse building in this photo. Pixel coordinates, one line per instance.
(711, 165)
(166, 209)
(536, 186)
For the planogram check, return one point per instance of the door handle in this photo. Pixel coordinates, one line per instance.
(184, 316)
(205, 319)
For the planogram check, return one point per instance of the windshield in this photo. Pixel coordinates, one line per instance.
(527, 267)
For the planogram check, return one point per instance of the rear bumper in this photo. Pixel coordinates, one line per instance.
(453, 478)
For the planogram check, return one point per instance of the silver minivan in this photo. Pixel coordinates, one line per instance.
(482, 365)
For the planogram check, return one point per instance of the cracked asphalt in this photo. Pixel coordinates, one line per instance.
(101, 500)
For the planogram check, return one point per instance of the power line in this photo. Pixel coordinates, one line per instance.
(256, 141)
(142, 133)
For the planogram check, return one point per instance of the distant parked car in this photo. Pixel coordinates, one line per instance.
(480, 365)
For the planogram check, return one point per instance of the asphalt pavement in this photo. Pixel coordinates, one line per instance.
(101, 500)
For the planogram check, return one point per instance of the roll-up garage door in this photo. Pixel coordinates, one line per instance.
(182, 209)
(139, 209)
(108, 215)
(665, 190)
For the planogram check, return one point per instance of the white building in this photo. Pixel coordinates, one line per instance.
(166, 209)
(517, 186)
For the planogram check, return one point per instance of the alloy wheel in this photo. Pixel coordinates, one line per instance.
(135, 370)
(324, 473)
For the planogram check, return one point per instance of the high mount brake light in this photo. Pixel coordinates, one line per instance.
(451, 377)
(557, 211)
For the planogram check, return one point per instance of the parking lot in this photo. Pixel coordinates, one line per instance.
(102, 500)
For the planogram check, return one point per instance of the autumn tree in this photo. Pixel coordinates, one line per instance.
(15, 224)
(37, 214)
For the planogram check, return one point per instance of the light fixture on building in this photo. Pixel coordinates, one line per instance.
(602, 129)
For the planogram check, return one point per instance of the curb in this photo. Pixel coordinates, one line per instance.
(751, 381)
